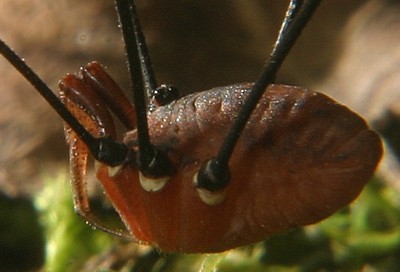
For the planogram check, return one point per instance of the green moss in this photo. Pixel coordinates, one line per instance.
(70, 242)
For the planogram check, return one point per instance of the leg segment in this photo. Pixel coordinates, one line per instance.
(94, 75)
(85, 97)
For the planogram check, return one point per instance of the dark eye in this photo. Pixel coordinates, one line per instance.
(165, 94)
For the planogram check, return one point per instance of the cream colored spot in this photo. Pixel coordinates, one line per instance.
(211, 198)
(208, 197)
(113, 171)
(152, 185)
(97, 165)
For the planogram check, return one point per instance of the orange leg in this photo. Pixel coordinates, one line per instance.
(87, 97)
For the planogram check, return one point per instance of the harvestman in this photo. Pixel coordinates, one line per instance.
(216, 169)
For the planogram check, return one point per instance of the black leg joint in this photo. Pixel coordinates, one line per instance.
(109, 151)
(156, 166)
(213, 176)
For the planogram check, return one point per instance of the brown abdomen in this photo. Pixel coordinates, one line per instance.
(300, 158)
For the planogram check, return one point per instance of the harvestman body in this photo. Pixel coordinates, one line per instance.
(292, 156)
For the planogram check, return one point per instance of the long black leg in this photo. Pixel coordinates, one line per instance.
(103, 149)
(291, 13)
(149, 79)
(150, 161)
(214, 175)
